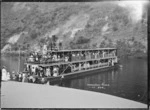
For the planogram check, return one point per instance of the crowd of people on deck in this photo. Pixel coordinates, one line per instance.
(60, 57)
(90, 55)
(48, 58)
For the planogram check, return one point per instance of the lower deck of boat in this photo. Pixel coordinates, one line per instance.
(83, 72)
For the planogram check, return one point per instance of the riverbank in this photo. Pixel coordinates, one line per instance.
(26, 95)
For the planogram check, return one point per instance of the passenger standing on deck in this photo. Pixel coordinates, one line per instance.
(37, 71)
(34, 68)
(58, 58)
(82, 56)
(31, 58)
(55, 57)
(116, 60)
(30, 71)
(8, 76)
(73, 57)
(99, 64)
(48, 72)
(109, 62)
(20, 77)
(78, 55)
(41, 72)
(103, 54)
(112, 61)
(88, 65)
(36, 59)
(12, 76)
(79, 66)
(88, 55)
(93, 55)
(44, 51)
(66, 59)
(114, 53)
(85, 65)
(55, 72)
(31, 79)
(24, 78)
(15, 76)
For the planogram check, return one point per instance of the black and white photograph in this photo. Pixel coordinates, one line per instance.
(74, 55)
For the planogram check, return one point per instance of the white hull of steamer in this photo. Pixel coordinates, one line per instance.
(82, 73)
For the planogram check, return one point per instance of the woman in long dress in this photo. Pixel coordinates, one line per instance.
(4, 74)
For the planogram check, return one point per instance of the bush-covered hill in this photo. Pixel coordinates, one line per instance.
(76, 25)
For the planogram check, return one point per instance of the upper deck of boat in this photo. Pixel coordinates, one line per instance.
(63, 63)
(27, 95)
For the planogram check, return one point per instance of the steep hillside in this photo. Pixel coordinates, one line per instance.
(76, 25)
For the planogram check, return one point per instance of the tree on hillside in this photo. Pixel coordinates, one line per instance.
(82, 40)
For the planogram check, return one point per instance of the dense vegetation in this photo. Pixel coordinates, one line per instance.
(76, 25)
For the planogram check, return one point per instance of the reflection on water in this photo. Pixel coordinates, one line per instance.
(129, 82)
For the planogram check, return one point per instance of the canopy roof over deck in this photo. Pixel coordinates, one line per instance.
(77, 50)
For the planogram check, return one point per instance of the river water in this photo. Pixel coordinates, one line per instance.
(129, 82)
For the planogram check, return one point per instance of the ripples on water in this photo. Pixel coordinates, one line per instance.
(128, 82)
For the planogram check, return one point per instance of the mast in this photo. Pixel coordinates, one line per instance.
(19, 61)
(10, 57)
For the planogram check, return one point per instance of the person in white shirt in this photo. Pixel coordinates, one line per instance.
(48, 72)
(112, 62)
(66, 59)
(44, 51)
(88, 65)
(55, 71)
(116, 60)
(24, 77)
(20, 77)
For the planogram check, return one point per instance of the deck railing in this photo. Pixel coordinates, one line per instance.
(91, 66)
(48, 60)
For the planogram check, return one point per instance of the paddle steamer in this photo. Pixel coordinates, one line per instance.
(52, 65)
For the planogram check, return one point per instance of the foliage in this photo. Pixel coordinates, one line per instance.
(41, 19)
(82, 40)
